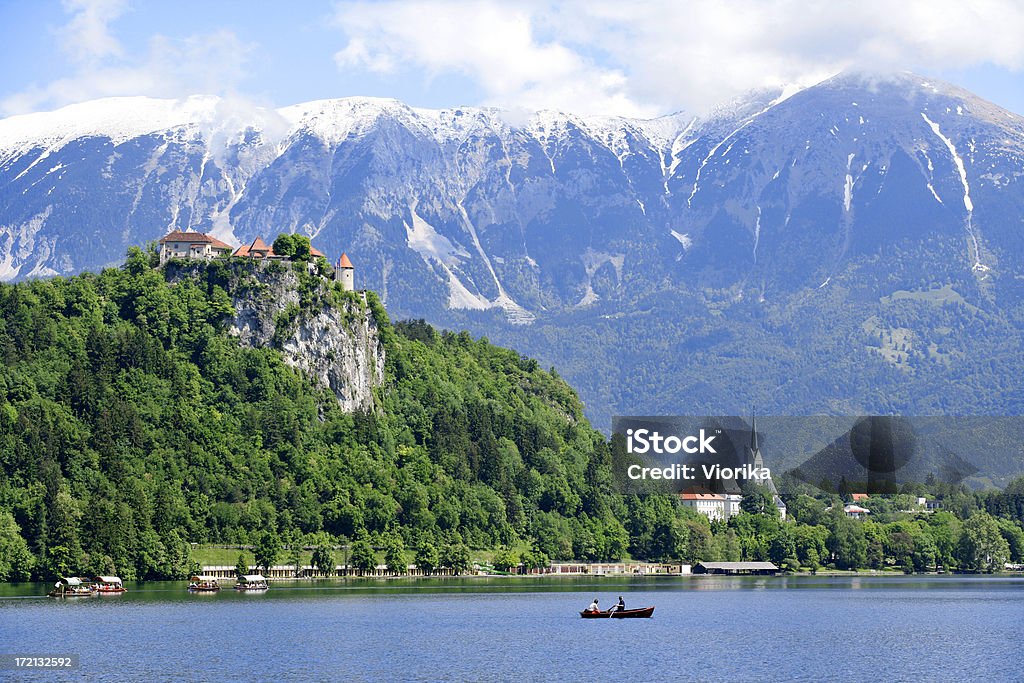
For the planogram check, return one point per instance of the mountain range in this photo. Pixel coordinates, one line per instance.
(847, 248)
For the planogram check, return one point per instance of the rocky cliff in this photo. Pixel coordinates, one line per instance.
(329, 335)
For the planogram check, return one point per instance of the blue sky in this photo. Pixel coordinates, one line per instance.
(599, 56)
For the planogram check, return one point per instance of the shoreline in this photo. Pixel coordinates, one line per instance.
(557, 578)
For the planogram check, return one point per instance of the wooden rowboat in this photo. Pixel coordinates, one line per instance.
(643, 613)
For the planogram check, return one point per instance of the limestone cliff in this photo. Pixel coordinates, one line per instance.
(329, 335)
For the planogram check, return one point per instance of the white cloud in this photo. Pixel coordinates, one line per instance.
(637, 58)
(87, 36)
(210, 63)
(497, 45)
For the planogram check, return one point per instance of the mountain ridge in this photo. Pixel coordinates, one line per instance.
(829, 201)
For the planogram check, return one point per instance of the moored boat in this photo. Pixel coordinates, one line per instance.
(251, 582)
(642, 613)
(71, 587)
(203, 584)
(108, 585)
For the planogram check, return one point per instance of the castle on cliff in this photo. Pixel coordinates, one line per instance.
(200, 246)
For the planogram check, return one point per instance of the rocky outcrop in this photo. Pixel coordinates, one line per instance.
(330, 336)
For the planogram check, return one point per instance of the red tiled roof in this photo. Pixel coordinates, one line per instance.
(258, 245)
(697, 493)
(265, 251)
(343, 262)
(194, 238)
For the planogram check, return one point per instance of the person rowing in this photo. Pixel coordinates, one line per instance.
(621, 607)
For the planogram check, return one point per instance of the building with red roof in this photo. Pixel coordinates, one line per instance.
(191, 245)
(259, 249)
(711, 505)
(344, 272)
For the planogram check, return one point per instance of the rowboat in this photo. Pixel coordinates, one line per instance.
(642, 613)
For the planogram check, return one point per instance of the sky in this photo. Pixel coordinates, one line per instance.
(641, 58)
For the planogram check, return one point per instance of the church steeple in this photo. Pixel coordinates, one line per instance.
(753, 431)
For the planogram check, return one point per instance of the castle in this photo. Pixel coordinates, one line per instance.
(197, 245)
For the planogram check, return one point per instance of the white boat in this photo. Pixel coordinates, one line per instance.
(71, 587)
(106, 585)
(251, 582)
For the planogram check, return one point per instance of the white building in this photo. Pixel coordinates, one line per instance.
(711, 505)
(855, 511)
(732, 504)
(191, 245)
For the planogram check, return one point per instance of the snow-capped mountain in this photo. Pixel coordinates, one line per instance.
(472, 208)
(856, 189)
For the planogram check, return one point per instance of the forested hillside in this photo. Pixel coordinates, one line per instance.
(132, 424)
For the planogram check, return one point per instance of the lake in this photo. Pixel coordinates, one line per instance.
(861, 628)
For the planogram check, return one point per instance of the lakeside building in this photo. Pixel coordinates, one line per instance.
(191, 245)
(634, 568)
(736, 568)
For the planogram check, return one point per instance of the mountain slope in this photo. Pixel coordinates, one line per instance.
(734, 243)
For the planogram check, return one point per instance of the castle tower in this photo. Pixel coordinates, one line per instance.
(344, 272)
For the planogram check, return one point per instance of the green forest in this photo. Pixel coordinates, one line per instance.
(132, 425)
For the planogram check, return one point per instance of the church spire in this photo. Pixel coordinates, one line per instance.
(753, 430)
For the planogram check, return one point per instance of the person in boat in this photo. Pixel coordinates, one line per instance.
(594, 607)
(621, 607)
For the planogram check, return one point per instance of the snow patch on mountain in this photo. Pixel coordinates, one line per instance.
(459, 295)
(978, 266)
(685, 239)
(429, 244)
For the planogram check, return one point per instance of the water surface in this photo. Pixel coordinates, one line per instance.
(704, 629)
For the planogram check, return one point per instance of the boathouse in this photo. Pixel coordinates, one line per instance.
(737, 568)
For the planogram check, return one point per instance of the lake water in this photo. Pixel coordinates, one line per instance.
(704, 629)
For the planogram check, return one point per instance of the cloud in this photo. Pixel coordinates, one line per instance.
(637, 58)
(208, 63)
(86, 37)
(495, 44)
